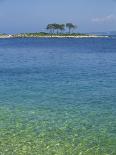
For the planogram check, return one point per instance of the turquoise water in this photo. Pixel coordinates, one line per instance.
(58, 96)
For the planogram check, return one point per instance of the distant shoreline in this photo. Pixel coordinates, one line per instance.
(52, 36)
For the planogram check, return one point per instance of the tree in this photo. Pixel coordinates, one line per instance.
(62, 27)
(56, 27)
(51, 28)
(70, 26)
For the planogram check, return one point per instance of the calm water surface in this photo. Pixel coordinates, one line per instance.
(58, 96)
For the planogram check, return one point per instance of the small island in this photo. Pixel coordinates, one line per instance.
(55, 31)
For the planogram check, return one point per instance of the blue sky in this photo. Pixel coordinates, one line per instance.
(33, 15)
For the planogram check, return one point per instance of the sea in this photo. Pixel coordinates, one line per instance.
(58, 96)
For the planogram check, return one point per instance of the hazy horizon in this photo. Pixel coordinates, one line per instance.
(33, 16)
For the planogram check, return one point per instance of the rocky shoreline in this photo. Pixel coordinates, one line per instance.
(4, 36)
(51, 36)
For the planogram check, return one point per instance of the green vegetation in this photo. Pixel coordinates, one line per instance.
(57, 27)
(60, 27)
(53, 30)
(43, 34)
(70, 26)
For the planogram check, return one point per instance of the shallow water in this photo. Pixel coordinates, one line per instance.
(58, 96)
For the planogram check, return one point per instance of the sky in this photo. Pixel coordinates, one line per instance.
(19, 16)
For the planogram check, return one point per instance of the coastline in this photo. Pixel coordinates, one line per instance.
(51, 36)
(5, 36)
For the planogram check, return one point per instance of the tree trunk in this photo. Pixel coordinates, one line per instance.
(69, 30)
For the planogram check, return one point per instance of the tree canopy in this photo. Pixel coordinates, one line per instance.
(70, 27)
(55, 28)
